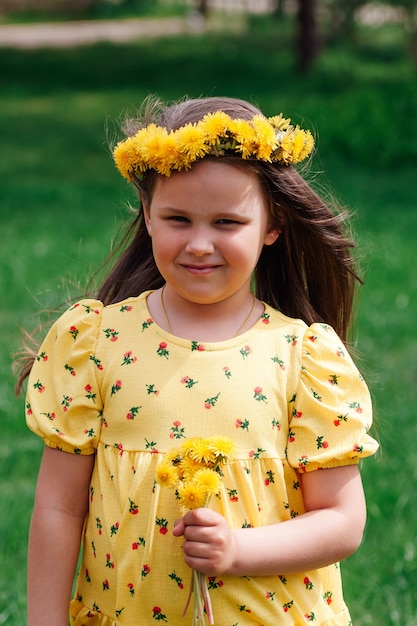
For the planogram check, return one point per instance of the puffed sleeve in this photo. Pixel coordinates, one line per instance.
(63, 404)
(331, 410)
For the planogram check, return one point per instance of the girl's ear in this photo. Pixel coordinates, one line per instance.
(147, 218)
(271, 236)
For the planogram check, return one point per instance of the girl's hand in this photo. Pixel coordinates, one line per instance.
(209, 544)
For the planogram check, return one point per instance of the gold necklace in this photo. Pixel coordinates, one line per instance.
(246, 320)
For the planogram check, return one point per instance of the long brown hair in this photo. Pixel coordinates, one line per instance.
(308, 273)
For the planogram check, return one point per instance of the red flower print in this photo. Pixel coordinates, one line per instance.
(39, 386)
(177, 432)
(140, 542)
(340, 419)
(162, 523)
(328, 596)
(188, 382)
(296, 413)
(145, 570)
(233, 495)
(126, 307)
(116, 387)
(213, 583)
(89, 395)
(259, 396)
(245, 351)
(128, 358)
(292, 339)
(308, 584)
(244, 425)
(131, 588)
(302, 462)
(278, 361)
(106, 585)
(333, 379)
(147, 323)
(162, 349)
(111, 334)
(210, 402)
(66, 402)
(134, 410)
(321, 443)
(265, 318)
(256, 454)
(173, 576)
(73, 331)
(158, 615)
(133, 508)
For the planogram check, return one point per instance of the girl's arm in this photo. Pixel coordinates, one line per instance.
(61, 503)
(329, 531)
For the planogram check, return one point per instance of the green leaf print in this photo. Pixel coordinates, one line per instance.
(210, 402)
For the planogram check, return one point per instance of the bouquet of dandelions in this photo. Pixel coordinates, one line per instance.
(193, 470)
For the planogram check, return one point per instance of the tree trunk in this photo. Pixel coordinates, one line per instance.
(202, 7)
(307, 44)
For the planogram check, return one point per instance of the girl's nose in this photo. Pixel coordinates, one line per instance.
(199, 243)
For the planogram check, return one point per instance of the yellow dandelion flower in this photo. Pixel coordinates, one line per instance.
(167, 475)
(191, 141)
(307, 146)
(245, 136)
(215, 126)
(285, 148)
(298, 144)
(266, 136)
(279, 122)
(198, 450)
(172, 456)
(209, 480)
(192, 496)
(188, 467)
(222, 447)
(124, 157)
(151, 145)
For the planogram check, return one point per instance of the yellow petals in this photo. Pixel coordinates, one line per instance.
(208, 480)
(222, 447)
(192, 496)
(193, 469)
(216, 134)
(167, 475)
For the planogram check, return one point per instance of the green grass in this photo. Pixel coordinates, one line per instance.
(61, 203)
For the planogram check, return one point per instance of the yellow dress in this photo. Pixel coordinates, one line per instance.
(110, 381)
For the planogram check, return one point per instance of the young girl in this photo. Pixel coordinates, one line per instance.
(226, 314)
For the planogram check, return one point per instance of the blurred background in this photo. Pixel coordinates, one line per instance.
(71, 69)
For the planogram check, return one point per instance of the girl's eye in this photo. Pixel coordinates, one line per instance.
(227, 221)
(178, 218)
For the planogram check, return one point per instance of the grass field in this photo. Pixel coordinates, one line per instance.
(61, 203)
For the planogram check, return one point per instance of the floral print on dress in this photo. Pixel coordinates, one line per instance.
(137, 391)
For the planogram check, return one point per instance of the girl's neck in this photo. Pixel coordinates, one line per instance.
(214, 322)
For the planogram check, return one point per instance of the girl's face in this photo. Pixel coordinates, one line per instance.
(208, 226)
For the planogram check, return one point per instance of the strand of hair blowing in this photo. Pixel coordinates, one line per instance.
(309, 272)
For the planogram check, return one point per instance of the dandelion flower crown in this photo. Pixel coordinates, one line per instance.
(155, 148)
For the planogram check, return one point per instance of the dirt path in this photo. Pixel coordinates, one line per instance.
(69, 34)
